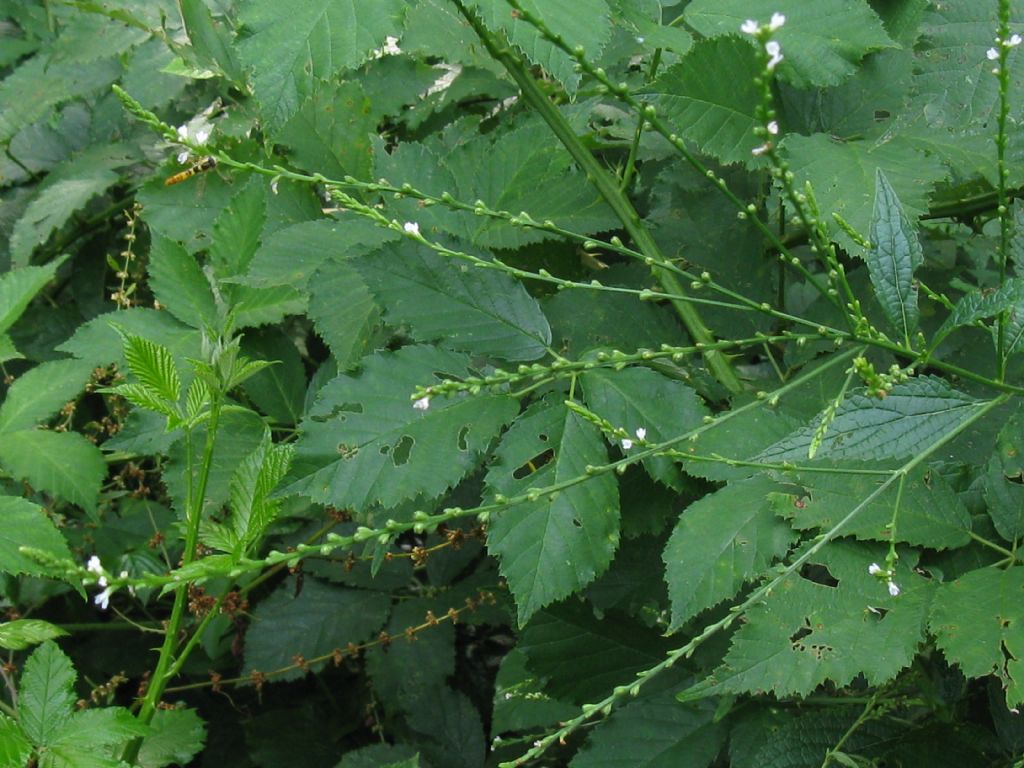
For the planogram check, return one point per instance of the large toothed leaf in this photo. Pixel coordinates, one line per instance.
(978, 623)
(806, 632)
(24, 524)
(293, 45)
(39, 393)
(913, 415)
(821, 41)
(710, 97)
(556, 545)
(894, 255)
(179, 284)
(46, 695)
(720, 543)
(364, 443)
(17, 289)
(463, 307)
(64, 464)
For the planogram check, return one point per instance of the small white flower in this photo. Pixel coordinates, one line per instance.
(626, 444)
(750, 27)
(537, 744)
(777, 21)
(391, 46)
(422, 404)
(183, 132)
(894, 589)
(773, 128)
(640, 40)
(202, 136)
(183, 157)
(1014, 41)
(641, 433)
(94, 565)
(775, 52)
(103, 598)
(411, 227)
(874, 569)
(992, 54)
(273, 186)
(758, 151)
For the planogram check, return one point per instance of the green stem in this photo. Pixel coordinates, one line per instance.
(194, 510)
(634, 147)
(606, 186)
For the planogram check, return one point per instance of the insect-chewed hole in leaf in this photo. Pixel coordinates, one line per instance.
(402, 450)
(347, 451)
(385, 449)
(338, 412)
(463, 443)
(819, 574)
(577, 522)
(534, 464)
(800, 634)
(442, 376)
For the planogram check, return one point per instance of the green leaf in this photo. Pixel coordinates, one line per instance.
(278, 390)
(381, 756)
(98, 342)
(15, 749)
(211, 42)
(654, 733)
(521, 702)
(142, 396)
(481, 311)
(349, 333)
(912, 416)
(806, 632)
(291, 47)
(552, 547)
(83, 740)
(23, 633)
(25, 524)
(981, 305)
(1003, 482)
(175, 737)
(38, 394)
(979, 625)
(17, 289)
(842, 175)
(581, 23)
(739, 436)
(45, 694)
(930, 513)
(64, 464)
(815, 55)
(179, 284)
(330, 134)
(153, 365)
(185, 213)
(364, 443)
(313, 623)
(710, 97)
(636, 398)
(617, 648)
(721, 542)
(894, 256)
(236, 232)
(453, 734)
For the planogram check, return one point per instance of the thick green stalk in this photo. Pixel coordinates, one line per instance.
(607, 187)
(193, 516)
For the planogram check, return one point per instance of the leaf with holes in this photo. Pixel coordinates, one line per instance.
(553, 546)
(364, 443)
(834, 621)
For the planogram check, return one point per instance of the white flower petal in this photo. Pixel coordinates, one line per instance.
(894, 589)
(641, 433)
(874, 569)
(777, 21)
(1014, 41)
(626, 444)
(422, 404)
(183, 132)
(411, 227)
(750, 27)
(103, 598)
(773, 128)
(992, 54)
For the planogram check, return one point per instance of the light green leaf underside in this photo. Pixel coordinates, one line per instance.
(24, 524)
(710, 97)
(555, 546)
(816, 52)
(64, 464)
(364, 443)
(720, 543)
(978, 622)
(20, 634)
(805, 633)
(38, 394)
(293, 45)
(894, 256)
(911, 417)
(463, 307)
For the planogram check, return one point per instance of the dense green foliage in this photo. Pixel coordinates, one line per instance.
(602, 383)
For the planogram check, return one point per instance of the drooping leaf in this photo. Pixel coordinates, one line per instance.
(722, 542)
(639, 398)
(911, 416)
(364, 443)
(15, 748)
(710, 97)
(978, 623)
(179, 284)
(20, 634)
(554, 546)
(381, 756)
(814, 54)
(981, 305)
(45, 693)
(210, 40)
(806, 632)
(176, 736)
(291, 47)
(24, 524)
(477, 310)
(453, 734)
(278, 390)
(313, 623)
(930, 514)
(521, 702)
(894, 256)
(64, 464)
(38, 394)
(18, 287)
